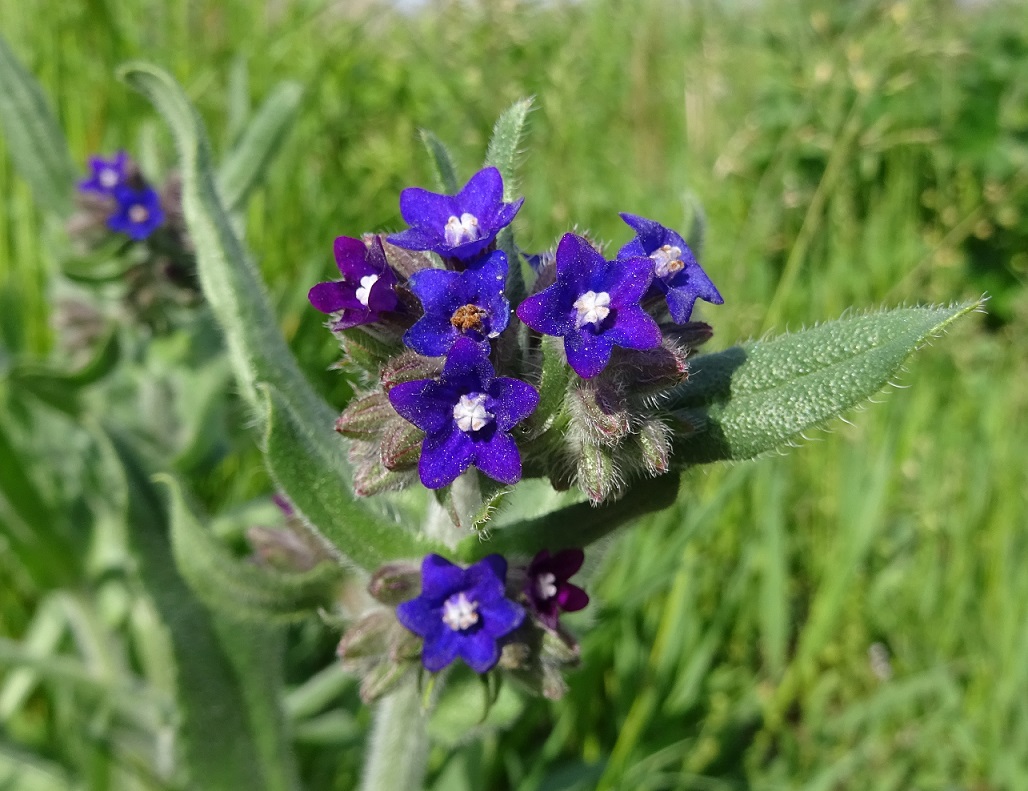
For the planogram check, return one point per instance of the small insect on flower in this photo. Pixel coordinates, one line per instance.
(366, 290)
(676, 272)
(461, 612)
(456, 226)
(467, 416)
(139, 212)
(594, 306)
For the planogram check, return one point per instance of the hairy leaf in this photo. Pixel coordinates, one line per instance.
(750, 399)
(442, 163)
(33, 136)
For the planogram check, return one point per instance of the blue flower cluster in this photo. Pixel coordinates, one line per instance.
(460, 310)
(137, 210)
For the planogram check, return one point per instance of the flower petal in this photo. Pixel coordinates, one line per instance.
(333, 296)
(588, 354)
(499, 458)
(571, 598)
(468, 366)
(442, 649)
(650, 235)
(444, 455)
(548, 312)
(431, 336)
(422, 403)
(481, 195)
(479, 650)
(440, 578)
(501, 616)
(633, 328)
(515, 401)
(426, 210)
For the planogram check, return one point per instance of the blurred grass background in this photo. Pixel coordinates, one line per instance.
(850, 614)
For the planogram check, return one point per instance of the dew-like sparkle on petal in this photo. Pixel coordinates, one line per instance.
(459, 612)
(470, 412)
(592, 308)
(363, 293)
(462, 229)
(667, 260)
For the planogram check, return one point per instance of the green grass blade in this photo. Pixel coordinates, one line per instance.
(247, 162)
(752, 399)
(442, 163)
(33, 136)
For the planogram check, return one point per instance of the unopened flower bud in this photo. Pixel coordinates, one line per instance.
(654, 370)
(654, 443)
(367, 639)
(599, 411)
(381, 679)
(363, 417)
(370, 476)
(408, 367)
(395, 582)
(282, 549)
(597, 474)
(401, 445)
(691, 335)
(405, 262)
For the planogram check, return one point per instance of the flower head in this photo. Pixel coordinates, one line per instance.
(139, 212)
(547, 586)
(467, 415)
(366, 290)
(459, 304)
(456, 226)
(106, 174)
(461, 612)
(676, 272)
(594, 306)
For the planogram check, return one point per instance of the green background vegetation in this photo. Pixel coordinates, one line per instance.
(856, 154)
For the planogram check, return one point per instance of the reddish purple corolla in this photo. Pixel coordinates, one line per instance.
(138, 213)
(456, 226)
(594, 306)
(676, 272)
(366, 290)
(467, 415)
(459, 304)
(547, 587)
(461, 612)
(106, 174)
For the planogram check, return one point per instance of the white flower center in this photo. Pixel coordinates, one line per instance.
(667, 260)
(139, 214)
(462, 229)
(592, 308)
(108, 177)
(364, 291)
(459, 612)
(470, 412)
(546, 585)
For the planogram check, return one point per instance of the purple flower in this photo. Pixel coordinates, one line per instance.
(139, 212)
(467, 415)
(547, 586)
(459, 304)
(107, 174)
(458, 226)
(366, 290)
(676, 271)
(594, 305)
(461, 612)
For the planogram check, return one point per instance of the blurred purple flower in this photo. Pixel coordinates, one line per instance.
(461, 612)
(467, 415)
(366, 290)
(594, 306)
(676, 272)
(106, 174)
(459, 304)
(547, 586)
(138, 214)
(456, 226)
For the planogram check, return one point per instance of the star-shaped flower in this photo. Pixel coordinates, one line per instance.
(467, 415)
(461, 612)
(366, 290)
(676, 272)
(139, 212)
(547, 586)
(594, 306)
(106, 174)
(456, 226)
(459, 304)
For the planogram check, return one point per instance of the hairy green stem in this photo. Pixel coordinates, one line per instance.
(398, 752)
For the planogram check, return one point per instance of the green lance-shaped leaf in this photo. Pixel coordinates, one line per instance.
(230, 739)
(246, 163)
(442, 163)
(59, 388)
(576, 525)
(502, 153)
(308, 471)
(238, 588)
(750, 399)
(229, 279)
(33, 136)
